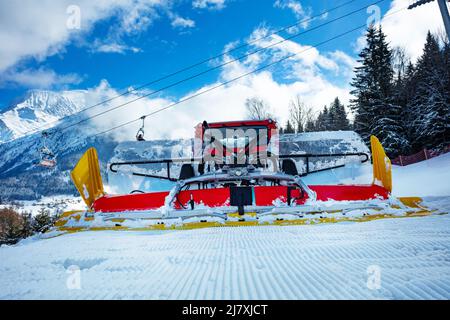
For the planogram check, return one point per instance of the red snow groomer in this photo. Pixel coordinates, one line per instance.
(235, 177)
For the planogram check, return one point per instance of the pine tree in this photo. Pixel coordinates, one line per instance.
(289, 128)
(323, 120)
(319, 122)
(430, 104)
(27, 225)
(310, 126)
(388, 125)
(399, 98)
(376, 112)
(338, 116)
(363, 83)
(42, 221)
(408, 89)
(446, 79)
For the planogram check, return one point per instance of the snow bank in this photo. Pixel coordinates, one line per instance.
(426, 178)
(54, 205)
(333, 261)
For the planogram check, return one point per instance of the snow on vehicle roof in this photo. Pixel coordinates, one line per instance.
(323, 142)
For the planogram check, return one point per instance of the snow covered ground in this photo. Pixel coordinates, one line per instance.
(426, 178)
(54, 205)
(404, 258)
(386, 259)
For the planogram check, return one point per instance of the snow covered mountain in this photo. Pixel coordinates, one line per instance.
(39, 109)
(20, 177)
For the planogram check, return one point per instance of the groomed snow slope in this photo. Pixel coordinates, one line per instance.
(293, 262)
(328, 261)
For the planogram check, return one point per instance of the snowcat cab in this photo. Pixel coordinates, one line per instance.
(235, 143)
(236, 177)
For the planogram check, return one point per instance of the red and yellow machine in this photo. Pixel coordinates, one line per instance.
(235, 177)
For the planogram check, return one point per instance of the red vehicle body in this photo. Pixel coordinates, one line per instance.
(220, 197)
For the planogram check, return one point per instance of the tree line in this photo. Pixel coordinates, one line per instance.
(405, 104)
(15, 226)
(302, 118)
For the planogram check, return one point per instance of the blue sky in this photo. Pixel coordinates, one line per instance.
(126, 43)
(164, 48)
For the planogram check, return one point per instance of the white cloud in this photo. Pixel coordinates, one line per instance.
(114, 48)
(305, 55)
(137, 15)
(179, 22)
(209, 4)
(344, 62)
(159, 124)
(409, 28)
(41, 78)
(38, 29)
(341, 56)
(299, 11)
(228, 102)
(222, 104)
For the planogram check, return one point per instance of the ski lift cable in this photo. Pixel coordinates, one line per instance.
(218, 66)
(167, 76)
(309, 19)
(242, 76)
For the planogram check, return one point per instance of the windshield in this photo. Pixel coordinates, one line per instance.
(235, 142)
(236, 137)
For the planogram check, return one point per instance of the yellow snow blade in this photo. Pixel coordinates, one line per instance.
(86, 177)
(314, 219)
(382, 167)
(413, 202)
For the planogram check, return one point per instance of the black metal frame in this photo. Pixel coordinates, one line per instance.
(310, 155)
(200, 160)
(161, 161)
